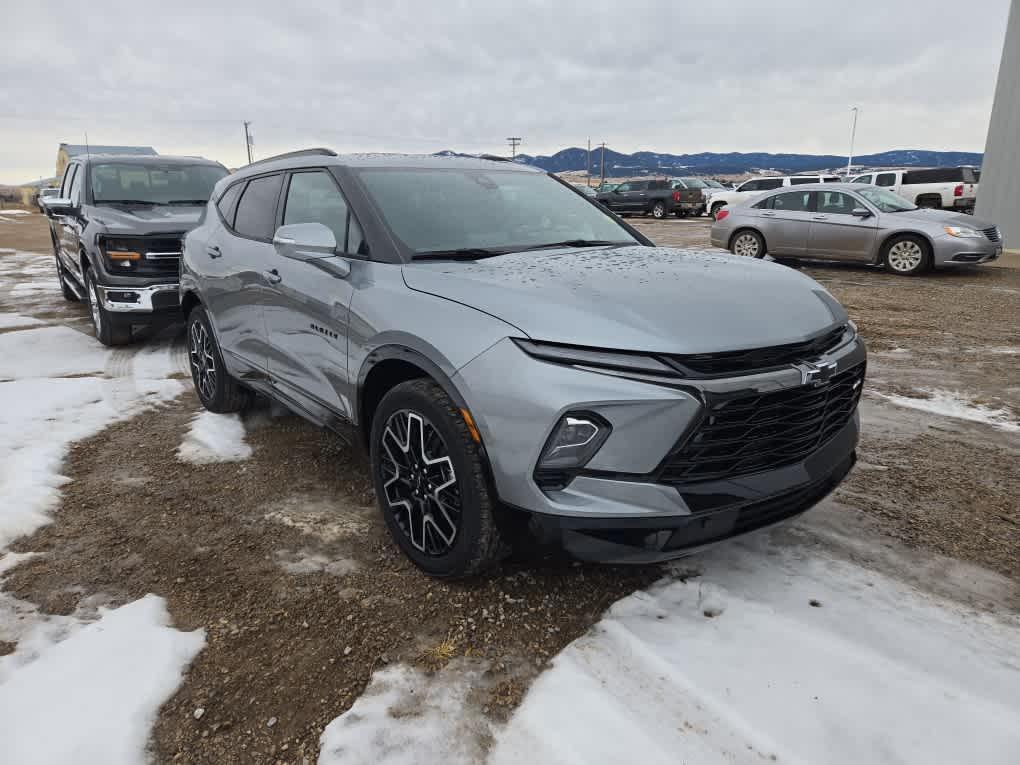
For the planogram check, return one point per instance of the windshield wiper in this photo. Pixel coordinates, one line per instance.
(574, 243)
(186, 202)
(462, 253)
(125, 202)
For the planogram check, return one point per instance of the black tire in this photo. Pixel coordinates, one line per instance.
(62, 277)
(658, 210)
(716, 208)
(218, 391)
(110, 330)
(906, 255)
(459, 532)
(749, 243)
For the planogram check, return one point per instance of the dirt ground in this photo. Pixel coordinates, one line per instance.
(284, 560)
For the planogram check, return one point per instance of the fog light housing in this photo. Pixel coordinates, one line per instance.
(574, 441)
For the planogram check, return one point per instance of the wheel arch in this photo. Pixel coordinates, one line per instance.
(741, 230)
(189, 299)
(886, 241)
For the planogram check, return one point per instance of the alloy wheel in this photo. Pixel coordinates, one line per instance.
(746, 245)
(905, 256)
(420, 483)
(203, 362)
(97, 315)
(658, 211)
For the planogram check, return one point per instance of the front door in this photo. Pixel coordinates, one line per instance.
(306, 309)
(837, 233)
(69, 225)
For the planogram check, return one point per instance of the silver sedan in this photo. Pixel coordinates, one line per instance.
(850, 222)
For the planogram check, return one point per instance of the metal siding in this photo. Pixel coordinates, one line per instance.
(999, 193)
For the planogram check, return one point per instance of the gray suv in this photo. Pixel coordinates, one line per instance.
(513, 354)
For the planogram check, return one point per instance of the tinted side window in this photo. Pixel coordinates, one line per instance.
(750, 186)
(658, 185)
(832, 179)
(623, 187)
(256, 212)
(770, 183)
(314, 198)
(801, 181)
(886, 179)
(765, 204)
(935, 175)
(228, 203)
(74, 193)
(836, 203)
(794, 201)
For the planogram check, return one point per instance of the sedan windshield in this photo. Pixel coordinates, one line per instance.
(485, 212)
(156, 184)
(885, 200)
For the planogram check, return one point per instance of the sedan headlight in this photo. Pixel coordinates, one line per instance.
(963, 232)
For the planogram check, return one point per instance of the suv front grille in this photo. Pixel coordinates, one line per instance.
(746, 434)
(992, 234)
(705, 365)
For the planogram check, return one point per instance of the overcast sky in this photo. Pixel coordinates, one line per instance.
(665, 76)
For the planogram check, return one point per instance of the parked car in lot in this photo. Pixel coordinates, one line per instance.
(585, 189)
(117, 226)
(509, 351)
(657, 198)
(45, 194)
(946, 188)
(692, 195)
(851, 222)
(755, 186)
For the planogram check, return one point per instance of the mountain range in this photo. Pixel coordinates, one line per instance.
(707, 163)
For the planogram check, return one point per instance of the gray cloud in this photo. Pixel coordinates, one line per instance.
(385, 75)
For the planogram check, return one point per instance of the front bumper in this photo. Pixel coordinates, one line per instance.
(622, 489)
(154, 298)
(964, 251)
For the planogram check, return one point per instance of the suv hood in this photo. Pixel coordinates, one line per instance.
(140, 219)
(638, 298)
(939, 217)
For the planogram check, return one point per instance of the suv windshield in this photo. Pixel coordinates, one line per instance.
(446, 211)
(155, 183)
(884, 200)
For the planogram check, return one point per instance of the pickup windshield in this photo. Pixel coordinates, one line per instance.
(155, 183)
(694, 183)
(884, 200)
(462, 212)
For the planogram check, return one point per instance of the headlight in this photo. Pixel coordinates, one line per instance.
(120, 252)
(963, 232)
(635, 363)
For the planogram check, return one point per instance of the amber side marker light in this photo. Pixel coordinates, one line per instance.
(123, 255)
(472, 428)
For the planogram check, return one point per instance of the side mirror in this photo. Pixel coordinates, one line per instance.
(57, 205)
(861, 212)
(305, 241)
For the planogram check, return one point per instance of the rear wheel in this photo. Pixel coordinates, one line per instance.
(932, 201)
(659, 210)
(110, 330)
(906, 255)
(218, 391)
(431, 483)
(748, 244)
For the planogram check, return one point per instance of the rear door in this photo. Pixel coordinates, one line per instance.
(889, 181)
(837, 233)
(237, 269)
(786, 221)
(307, 309)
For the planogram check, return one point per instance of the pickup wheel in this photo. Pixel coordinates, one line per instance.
(906, 255)
(431, 484)
(218, 391)
(109, 331)
(659, 210)
(716, 208)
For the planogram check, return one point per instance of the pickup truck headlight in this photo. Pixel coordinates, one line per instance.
(120, 253)
(963, 232)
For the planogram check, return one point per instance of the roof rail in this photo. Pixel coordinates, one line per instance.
(320, 151)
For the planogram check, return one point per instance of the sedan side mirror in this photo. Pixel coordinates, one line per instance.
(861, 212)
(57, 205)
(305, 241)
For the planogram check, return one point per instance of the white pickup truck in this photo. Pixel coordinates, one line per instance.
(947, 188)
(716, 199)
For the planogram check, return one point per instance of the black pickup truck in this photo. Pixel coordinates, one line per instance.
(655, 198)
(118, 226)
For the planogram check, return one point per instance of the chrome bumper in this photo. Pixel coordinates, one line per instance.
(134, 299)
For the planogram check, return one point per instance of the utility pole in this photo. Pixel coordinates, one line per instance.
(853, 133)
(587, 169)
(514, 142)
(603, 172)
(248, 140)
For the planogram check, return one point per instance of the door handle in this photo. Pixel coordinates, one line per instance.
(768, 215)
(272, 276)
(820, 217)
(213, 251)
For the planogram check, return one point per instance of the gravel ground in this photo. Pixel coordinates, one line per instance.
(283, 559)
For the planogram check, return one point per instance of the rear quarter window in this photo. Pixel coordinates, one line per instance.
(227, 203)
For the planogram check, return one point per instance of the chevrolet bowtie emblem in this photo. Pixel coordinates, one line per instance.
(816, 374)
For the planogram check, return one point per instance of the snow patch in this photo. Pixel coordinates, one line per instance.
(956, 405)
(327, 518)
(94, 696)
(214, 438)
(15, 212)
(406, 717)
(13, 321)
(50, 352)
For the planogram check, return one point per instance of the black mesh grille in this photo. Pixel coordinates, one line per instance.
(747, 434)
(992, 234)
(704, 365)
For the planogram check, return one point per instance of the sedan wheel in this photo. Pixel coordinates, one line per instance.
(749, 245)
(906, 256)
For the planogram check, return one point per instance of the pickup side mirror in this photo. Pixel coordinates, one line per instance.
(861, 212)
(305, 241)
(57, 205)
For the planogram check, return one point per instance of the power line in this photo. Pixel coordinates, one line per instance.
(514, 143)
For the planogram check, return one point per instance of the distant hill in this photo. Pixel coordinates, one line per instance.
(647, 162)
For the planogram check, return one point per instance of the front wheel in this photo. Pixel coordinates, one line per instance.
(431, 483)
(906, 255)
(109, 330)
(217, 390)
(659, 210)
(749, 244)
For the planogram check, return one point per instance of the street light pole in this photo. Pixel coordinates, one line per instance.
(853, 133)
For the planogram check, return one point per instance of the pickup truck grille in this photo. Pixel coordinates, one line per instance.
(992, 234)
(705, 365)
(746, 434)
